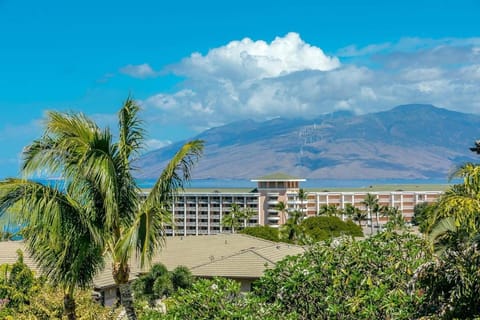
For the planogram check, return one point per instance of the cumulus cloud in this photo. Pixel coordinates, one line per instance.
(248, 59)
(290, 78)
(138, 71)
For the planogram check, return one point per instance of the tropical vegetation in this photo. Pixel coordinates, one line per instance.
(324, 228)
(159, 283)
(25, 296)
(98, 207)
(97, 215)
(263, 232)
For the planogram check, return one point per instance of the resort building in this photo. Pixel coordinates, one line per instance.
(201, 211)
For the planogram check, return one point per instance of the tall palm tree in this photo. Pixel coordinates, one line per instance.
(302, 196)
(355, 213)
(58, 234)
(291, 229)
(462, 201)
(456, 217)
(232, 219)
(371, 203)
(246, 214)
(99, 173)
(281, 207)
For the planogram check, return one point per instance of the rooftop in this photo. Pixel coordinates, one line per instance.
(229, 255)
(277, 177)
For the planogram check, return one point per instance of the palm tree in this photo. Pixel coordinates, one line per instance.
(302, 196)
(355, 213)
(462, 201)
(328, 210)
(246, 214)
(281, 207)
(58, 234)
(232, 219)
(99, 177)
(456, 216)
(291, 229)
(395, 218)
(371, 203)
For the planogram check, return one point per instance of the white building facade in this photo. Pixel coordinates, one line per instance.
(201, 213)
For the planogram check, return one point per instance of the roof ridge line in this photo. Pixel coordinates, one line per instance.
(243, 251)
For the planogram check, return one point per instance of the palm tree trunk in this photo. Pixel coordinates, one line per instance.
(121, 273)
(127, 300)
(69, 306)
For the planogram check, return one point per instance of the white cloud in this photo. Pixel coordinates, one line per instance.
(248, 59)
(291, 78)
(138, 71)
(153, 144)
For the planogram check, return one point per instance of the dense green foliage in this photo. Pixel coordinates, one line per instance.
(327, 227)
(17, 284)
(263, 232)
(450, 284)
(217, 298)
(159, 282)
(98, 207)
(348, 279)
(422, 216)
(25, 297)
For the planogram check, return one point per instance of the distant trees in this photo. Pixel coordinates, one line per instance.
(327, 227)
(302, 196)
(356, 214)
(291, 231)
(282, 209)
(371, 203)
(328, 210)
(423, 215)
(263, 232)
(234, 218)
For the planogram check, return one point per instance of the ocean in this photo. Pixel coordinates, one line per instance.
(309, 183)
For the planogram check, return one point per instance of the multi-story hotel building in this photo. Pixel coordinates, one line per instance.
(200, 212)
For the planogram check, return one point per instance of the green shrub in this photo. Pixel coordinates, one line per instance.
(450, 284)
(263, 232)
(326, 227)
(160, 282)
(347, 279)
(217, 298)
(181, 278)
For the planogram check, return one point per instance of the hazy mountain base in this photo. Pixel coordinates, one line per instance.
(411, 141)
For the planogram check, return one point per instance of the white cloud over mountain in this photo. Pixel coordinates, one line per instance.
(290, 78)
(248, 59)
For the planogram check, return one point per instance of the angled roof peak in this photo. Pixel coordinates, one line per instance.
(278, 176)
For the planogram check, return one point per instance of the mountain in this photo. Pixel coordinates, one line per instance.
(409, 141)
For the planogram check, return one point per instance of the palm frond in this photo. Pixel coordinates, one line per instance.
(150, 226)
(55, 231)
(131, 129)
(176, 173)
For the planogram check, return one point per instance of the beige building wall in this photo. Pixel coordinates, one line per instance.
(201, 213)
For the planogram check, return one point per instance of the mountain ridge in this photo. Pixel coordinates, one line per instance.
(417, 141)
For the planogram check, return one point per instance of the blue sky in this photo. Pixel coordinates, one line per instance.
(197, 64)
